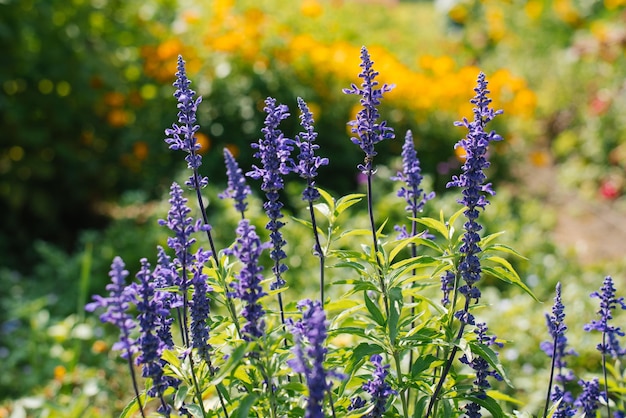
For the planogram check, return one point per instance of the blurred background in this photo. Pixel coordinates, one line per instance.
(86, 94)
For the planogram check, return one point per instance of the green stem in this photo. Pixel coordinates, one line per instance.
(403, 392)
(318, 251)
(606, 379)
(552, 366)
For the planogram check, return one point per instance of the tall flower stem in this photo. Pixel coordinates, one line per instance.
(133, 378)
(318, 250)
(552, 368)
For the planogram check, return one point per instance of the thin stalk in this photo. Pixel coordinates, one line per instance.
(134, 380)
(413, 272)
(405, 406)
(447, 366)
(332, 403)
(606, 379)
(197, 386)
(370, 210)
(549, 394)
(318, 251)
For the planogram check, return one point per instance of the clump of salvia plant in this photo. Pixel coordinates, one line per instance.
(216, 336)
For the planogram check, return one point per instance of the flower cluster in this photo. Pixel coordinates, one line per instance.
(310, 362)
(366, 127)
(182, 137)
(378, 388)
(117, 305)
(411, 176)
(472, 180)
(248, 249)
(274, 151)
(237, 189)
(482, 369)
(608, 302)
(308, 162)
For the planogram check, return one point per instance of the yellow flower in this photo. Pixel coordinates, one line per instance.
(311, 8)
(533, 9)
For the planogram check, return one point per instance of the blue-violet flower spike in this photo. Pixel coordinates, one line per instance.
(274, 151)
(308, 162)
(117, 305)
(182, 136)
(366, 127)
(472, 181)
(237, 189)
(378, 388)
(312, 328)
(608, 302)
(248, 249)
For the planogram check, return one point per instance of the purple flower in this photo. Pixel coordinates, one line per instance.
(199, 308)
(165, 276)
(565, 399)
(378, 388)
(117, 305)
(589, 399)
(310, 362)
(608, 302)
(482, 368)
(366, 128)
(183, 226)
(274, 151)
(308, 163)
(411, 176)
(556, 328)
(248, 249)
(237, 189)
(181, 137)
(447, 286)
(150, 312)
(472, 180)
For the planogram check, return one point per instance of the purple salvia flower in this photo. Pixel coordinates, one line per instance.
(199, 308)
(248, 249)
(310, 362)
(165, 276)
(183, 226)
(557, 349)
(447, 286)
(411, 176)
(150, 311)
(117, 305)
(182, 137)
(589, 399)
(237, 189)
(366, 128)
(472, 180)
(274, 151)
(308, 162)
(482, 368)
(378, 388)
(608, 302)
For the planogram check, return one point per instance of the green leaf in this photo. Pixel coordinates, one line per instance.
(324, 209)
(243, 410)
(422, 364)
(434, 225)
(133, 406)
(453, 219)
(488, 403)
(395, 308)
(233, 362)
(511, 277)
(365, 350)
(346, 201)
(503, 249)
(499, 396)
(181, 395)
(491, 357)
(195, 410)
(375, 313)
